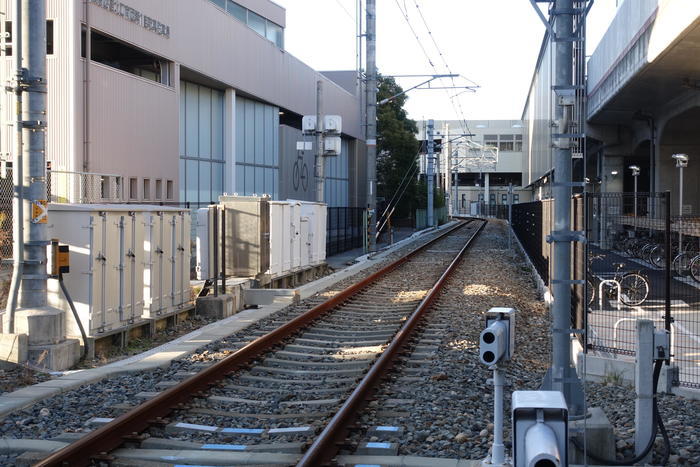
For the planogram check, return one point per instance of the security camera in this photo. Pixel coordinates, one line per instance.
(681, 160)
(497, 341)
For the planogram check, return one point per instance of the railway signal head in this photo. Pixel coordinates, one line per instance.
(497, 341)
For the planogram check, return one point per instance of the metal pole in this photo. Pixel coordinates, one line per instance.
(430, 171)
(320, 175)
(635, 197)
(680, 210)
(562, 376)
(448, 179)
(34, 280)
(510, 215)
(371, 105)
(17, 175)
(498, 452)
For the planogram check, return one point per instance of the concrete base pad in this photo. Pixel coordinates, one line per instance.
(13, 348)
(215, 307)
(600, 437)
(55, 357)
(43, 326)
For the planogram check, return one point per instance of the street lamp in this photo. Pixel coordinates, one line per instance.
(681, 163)
(635, 173)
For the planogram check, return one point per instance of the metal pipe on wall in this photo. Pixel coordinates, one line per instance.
(371, 104)
(17, 176)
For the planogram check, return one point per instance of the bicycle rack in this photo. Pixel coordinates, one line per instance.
(615, 284)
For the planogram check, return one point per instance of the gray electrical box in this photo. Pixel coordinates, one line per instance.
(540, 429)
(497, 340)
(247, 235)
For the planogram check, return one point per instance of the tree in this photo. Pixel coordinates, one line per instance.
(397, 151)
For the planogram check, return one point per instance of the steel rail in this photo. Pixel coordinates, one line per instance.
(127, 426)
(325, 447)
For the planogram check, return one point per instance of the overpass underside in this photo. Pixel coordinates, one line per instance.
(646, 105)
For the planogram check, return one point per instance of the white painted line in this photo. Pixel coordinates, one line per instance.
(192, 426)
(225, 447)
(387, 428)
(378, 445)
(243, 431)
(300, 429)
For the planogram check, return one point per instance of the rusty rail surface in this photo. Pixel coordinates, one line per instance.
(325, 447)
(99, 442)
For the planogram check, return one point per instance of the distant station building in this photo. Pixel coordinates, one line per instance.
(476, 160)
(181, 101)
(643, 83)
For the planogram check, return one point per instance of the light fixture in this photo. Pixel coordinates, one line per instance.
(635, 170)
(681, 160)
(614, 173)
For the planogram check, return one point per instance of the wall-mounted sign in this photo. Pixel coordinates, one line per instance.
(134, 16)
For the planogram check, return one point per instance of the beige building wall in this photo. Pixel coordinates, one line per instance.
(103, 120)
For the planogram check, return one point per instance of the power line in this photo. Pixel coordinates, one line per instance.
(350, 15)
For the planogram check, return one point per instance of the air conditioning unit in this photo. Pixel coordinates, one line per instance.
(333, 124)
(308, 124)
(331, 146)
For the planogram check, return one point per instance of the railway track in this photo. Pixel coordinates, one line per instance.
(290, 396)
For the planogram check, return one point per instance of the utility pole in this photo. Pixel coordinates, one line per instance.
(431, 171)
(319, 165)
(33, 290)
(371, 124)
(562, 376)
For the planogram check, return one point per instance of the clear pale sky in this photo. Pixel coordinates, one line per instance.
(495, 43)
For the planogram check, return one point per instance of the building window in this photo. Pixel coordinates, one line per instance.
(518, 143)
(504, 198)
(492, 198)
(169, 189)
(159, 189)
(116, 54)
(237, 11)
(464, 201)
(506, 143)
(133, 188)
(266, 28)
(516, 199)
(491, 140)
(49, 37)
(146, 188)
(104, 187)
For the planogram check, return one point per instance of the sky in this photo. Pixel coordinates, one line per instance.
(493, 43)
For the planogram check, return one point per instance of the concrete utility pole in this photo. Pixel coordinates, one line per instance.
(371, 124)
(34, 280)
(562, 376)
(431, 172)
(320, 169)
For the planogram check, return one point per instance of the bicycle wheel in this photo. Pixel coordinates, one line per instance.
(695, 268)
(681, 264)
(658, 256)
(590, 292)
(634, 289)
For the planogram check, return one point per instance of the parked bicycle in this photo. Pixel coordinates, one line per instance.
(633, 285)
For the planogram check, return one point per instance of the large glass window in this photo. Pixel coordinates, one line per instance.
(201, 143)
(257, 148)
(275, 34)
(506, 143)
(237, 11)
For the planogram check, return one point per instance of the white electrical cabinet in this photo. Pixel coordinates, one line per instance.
(202, 243)
(110, 249)
(285, 242)
(316, 214)
(166, 275)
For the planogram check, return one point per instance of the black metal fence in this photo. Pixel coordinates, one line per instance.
(344, 229)
(639, 262)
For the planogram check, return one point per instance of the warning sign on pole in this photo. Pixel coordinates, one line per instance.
(40, 214)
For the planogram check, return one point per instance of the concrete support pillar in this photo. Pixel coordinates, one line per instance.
(644, 385)
(486, 193)
(230, 141)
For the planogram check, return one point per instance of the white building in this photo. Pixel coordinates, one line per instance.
(486, 156)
